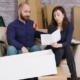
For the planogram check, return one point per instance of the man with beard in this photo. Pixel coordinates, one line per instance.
(21, 34)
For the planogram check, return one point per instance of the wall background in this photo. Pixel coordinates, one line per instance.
(8, 8)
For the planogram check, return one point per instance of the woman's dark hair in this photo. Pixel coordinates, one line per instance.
(65, 19)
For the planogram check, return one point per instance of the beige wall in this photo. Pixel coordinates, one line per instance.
(8, 8)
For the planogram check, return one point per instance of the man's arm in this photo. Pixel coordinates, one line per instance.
(11, 37)
(38, 32)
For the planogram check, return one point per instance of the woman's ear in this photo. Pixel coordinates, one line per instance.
(63, 15)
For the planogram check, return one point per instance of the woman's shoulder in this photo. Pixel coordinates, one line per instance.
(50, 27)
(70, 26)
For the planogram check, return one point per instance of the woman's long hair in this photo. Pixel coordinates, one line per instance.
(65, 19)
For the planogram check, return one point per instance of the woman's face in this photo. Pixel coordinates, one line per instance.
(58, 16)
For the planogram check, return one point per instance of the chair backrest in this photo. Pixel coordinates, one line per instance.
(2, 22)
(3, 48)
(3, 41)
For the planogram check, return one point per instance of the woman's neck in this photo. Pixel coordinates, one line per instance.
(60, 26)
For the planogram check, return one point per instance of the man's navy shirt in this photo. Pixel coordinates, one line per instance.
(20, 34)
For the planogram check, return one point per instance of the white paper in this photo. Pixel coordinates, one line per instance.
(47, 39)
(29, 65)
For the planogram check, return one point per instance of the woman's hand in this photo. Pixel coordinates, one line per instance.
(56, 45)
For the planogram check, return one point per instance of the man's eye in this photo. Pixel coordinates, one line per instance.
(25, 11)
(29, 11)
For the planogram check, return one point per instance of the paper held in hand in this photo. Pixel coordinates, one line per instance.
(47, 39)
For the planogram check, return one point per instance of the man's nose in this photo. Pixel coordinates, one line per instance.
(28, 14)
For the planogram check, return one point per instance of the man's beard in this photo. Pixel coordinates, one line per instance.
(24, 18)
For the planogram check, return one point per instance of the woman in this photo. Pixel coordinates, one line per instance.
(61, 48)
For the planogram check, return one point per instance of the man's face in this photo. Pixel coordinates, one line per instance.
(25, 12)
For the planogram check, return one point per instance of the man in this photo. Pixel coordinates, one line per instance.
(21, 34)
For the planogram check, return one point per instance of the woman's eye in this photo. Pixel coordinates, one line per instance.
(58, 14)
(54, 15)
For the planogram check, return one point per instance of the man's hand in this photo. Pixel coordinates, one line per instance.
(24, 50)
(56, 45)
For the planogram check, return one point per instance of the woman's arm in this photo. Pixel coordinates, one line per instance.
(69, 35)
(67, 42)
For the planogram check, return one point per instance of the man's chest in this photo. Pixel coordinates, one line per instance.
(24, 31)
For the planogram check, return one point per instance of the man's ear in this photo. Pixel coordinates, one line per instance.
(19, 10)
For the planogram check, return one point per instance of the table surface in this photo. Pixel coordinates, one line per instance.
(59, 75)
